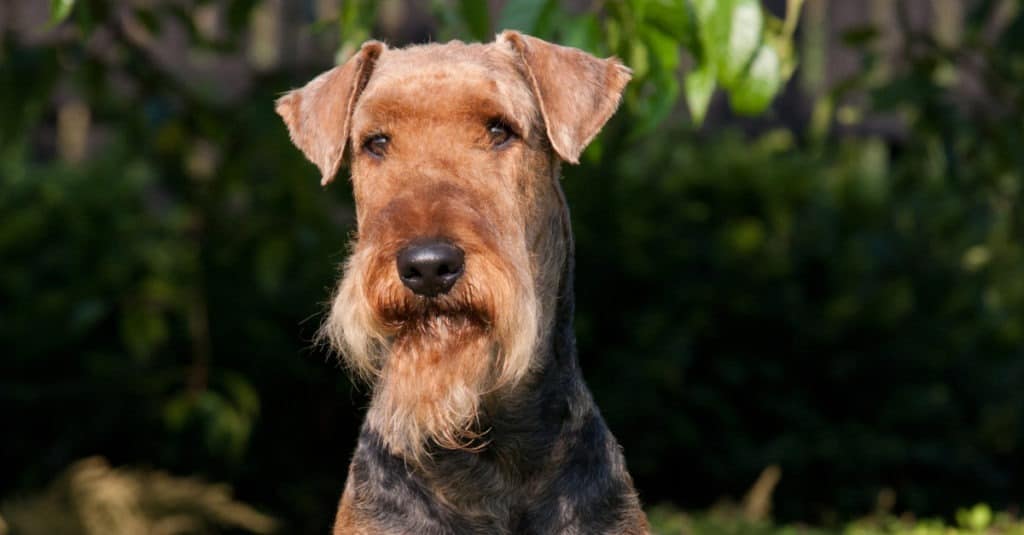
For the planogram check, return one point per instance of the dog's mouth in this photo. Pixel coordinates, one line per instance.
(434, 316)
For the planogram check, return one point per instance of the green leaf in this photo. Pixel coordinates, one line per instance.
(59, 10)
(745, 30)
(700, 85)
(674, 18)
(712, 28)
(976, 519)
(662, 47)
(703, 9)
(755, 91)
(657, 54)
(478, 21)
(638, 59)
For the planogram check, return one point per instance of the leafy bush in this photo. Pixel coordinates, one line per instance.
(853, 320)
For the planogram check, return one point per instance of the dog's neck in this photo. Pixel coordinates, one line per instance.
(549, 406)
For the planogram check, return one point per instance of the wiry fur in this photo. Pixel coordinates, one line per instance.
(480, 421)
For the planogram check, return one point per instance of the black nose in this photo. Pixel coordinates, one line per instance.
(430, 267)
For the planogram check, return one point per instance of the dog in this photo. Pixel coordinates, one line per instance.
(456, 304)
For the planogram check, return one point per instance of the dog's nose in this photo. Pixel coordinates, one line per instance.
(429, 268)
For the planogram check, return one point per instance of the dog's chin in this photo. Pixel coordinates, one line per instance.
(440, 337)
(437, 368)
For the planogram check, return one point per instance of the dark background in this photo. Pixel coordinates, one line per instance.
(835, 287)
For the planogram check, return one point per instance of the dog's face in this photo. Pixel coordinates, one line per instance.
(462, 228)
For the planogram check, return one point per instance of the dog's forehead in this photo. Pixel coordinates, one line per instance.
(450, 79)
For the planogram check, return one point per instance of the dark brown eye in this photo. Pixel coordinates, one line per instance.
(501, 134)
(376, 145)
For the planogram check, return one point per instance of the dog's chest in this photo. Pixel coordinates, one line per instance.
(572, 486)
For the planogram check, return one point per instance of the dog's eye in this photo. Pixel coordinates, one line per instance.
(500, 132)
(376, 145)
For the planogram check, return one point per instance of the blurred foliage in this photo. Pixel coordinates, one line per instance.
(93, 499)
(978, 520)
(844, 305)
(852, 311)
(849, 318)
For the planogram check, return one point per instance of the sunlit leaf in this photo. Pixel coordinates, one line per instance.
(59, 10)
(755, 91)
(712, 27)
(749, 52)
(976, 519)
(745, 29)
(700, 85)
(704, 8)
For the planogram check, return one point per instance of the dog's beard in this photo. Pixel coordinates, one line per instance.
(432, 384)
(431, 362)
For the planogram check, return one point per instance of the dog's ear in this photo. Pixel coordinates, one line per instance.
(318, 113)
(577, 92)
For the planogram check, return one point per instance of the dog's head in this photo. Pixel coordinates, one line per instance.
(462, 228)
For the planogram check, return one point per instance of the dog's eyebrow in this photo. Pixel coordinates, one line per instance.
(446, 102)
(484, 110)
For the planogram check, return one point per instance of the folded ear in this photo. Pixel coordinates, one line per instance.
(318, 114)
(577, 92)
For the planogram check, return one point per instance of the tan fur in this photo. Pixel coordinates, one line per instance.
(347, 520)
(317, 115)
(573, 115)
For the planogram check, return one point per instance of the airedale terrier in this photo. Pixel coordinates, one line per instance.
(456, 304)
